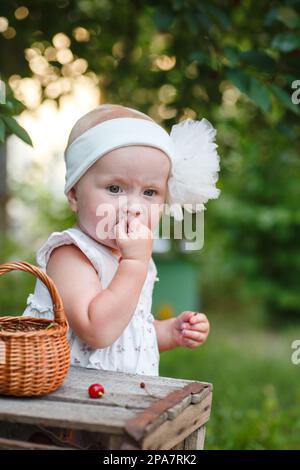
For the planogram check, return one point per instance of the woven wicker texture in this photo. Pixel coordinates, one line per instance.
(34, 352)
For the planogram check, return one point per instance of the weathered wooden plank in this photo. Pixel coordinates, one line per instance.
(172, 432)
(73, 438)
(138, 427)
(175, 410)
(119, 391)
(72, 395)
(9, 444)
(67, 415)
(197, 397)
(195, 441)
(69, 407)
(81, 378)
(129, 445)
(161, 418)
(171, 413)
(112, 397)
(179, 446)
(115, 442)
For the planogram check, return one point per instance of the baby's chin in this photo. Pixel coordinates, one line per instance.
(103, 238)
(111, 245)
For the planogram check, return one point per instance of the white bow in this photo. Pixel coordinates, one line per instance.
(195, 167)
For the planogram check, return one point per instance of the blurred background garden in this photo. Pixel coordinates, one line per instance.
(234, 62)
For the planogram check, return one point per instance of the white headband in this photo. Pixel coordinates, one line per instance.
(190, 147)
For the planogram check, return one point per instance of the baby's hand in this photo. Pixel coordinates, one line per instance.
(134, 242)
(190, 329)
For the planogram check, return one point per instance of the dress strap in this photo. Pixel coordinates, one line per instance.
(70, 236)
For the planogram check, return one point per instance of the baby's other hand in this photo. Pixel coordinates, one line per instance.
(190, 329)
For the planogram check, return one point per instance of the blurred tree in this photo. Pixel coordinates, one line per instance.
(174, 55)
(9, 107)
(252, 250)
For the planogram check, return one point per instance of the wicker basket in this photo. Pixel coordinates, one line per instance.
(34, 352)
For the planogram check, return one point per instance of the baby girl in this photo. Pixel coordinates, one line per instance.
(119, 166)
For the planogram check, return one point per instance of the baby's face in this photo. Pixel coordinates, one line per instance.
(131, 180)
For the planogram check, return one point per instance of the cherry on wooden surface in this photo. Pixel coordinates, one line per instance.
(96, 390)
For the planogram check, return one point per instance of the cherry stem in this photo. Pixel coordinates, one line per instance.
(150, 394)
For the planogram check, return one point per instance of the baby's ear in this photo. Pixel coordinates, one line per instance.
(72, 198)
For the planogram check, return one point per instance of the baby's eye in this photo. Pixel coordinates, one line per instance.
(153, 191)
(114, 187)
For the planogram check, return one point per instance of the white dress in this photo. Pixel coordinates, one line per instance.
(136, 350)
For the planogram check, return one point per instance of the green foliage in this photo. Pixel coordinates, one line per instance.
(2, 131)
(251, 44)
(8, 125)
(15, 285)
(16, 129)
(251, 233)
(48, 214)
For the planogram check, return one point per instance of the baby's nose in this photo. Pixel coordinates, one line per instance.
(133, 210)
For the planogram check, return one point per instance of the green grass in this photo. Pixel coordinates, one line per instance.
(256, 396)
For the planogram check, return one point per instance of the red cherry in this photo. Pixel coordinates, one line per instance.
(96, 391)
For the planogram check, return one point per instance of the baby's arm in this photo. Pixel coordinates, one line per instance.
(163, 330)
(99, 316)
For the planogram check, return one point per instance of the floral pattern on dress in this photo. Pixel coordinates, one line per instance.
(85, 348)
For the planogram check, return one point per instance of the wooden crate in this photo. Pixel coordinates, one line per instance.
(171, 415)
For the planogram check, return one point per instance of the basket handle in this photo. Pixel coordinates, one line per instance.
(59, 313)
